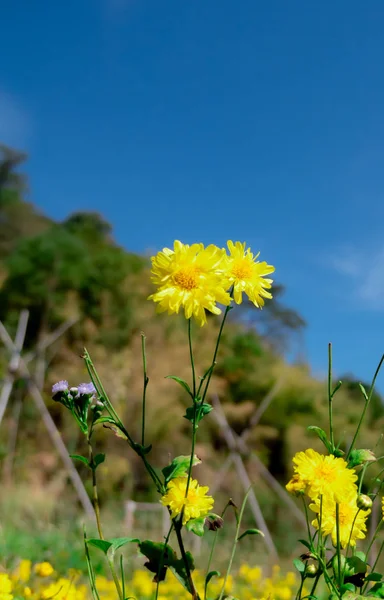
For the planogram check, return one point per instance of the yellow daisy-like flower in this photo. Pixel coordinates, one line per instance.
(196, 504)
(43, 569)
(247, 275)
(190, 277)
(5, 587)
(296, 485)
(349, 515)
(325, 475)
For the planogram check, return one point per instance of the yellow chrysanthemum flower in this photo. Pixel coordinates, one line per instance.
(196, 504)
(247, 275)
(23, 571)
(189, 277)
(5, 587)
(325, 475)
(43, 569)
(349, 515)
(296, 485)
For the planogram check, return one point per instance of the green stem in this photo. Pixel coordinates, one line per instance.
(307, 519)
(327, 577)
(235, 542)
(298, 595)
(229, 503)
(338, 546)
(374, 537)
(349, 541)
(330, 397)
(115, 578)
(161, 563)
(362, 475)
(193, 591)
(374, 564)
(145, 384)
(96, 505)
(192, 359)
(228, 308)
(368, 400)
(317, 578)
(319, 536)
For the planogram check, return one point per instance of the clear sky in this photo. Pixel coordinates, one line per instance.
(215, 120)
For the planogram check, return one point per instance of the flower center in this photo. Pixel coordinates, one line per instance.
(242, 269)
(187, 278)
(325, 473)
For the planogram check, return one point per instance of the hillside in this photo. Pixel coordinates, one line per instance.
(75, 270)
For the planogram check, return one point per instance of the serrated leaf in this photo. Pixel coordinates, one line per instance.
(321, 435)
(197, 412)
(250, 532)
(98, 459)
(299, 565)
(183, 384)
(179, 467)
(103, 545)
(82, 459)
(196, 526)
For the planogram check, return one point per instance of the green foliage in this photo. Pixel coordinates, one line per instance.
(178, 467)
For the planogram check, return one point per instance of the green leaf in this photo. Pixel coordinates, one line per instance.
(347, 587)
(377, 590)
(299, 565)
(250, 532)
(337, 387)
(183, 384)
(196, 526)
(98, 459)
(355, 565)
(200, 409)
(360, 456)
(363, 391)
(321, 435)
(178, 569)
(82, 459)
(306, 544)
(117, 543)
(161, 557)
(179, 467)
(208, 579)
(101, 420)
(103, 545)
(374, 577)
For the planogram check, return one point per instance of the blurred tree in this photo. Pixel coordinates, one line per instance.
(278, 324)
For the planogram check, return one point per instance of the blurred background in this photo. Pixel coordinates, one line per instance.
(126, 124)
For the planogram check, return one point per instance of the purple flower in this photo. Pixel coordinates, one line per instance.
(86, 388)
(60, 386)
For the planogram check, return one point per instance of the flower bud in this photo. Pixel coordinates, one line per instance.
(364, 502)
(359, 457)
(311, 570)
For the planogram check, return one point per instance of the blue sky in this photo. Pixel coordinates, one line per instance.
(216, 120)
